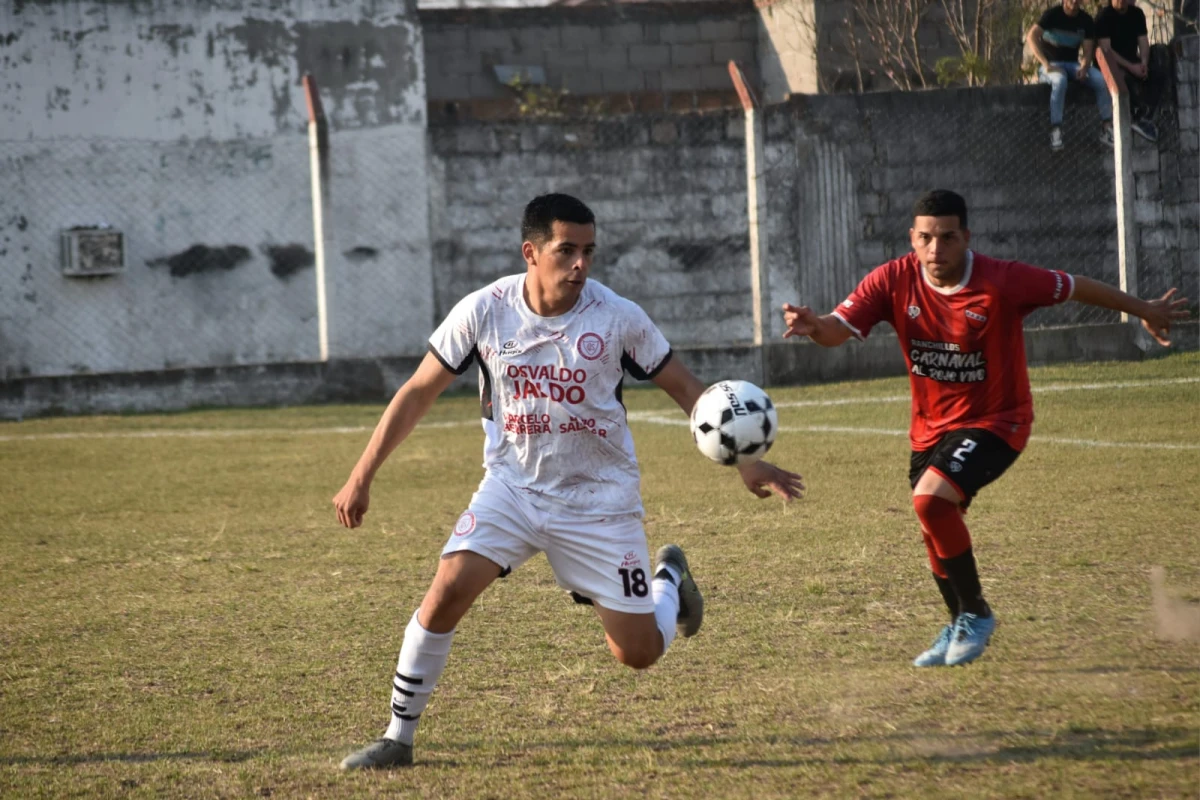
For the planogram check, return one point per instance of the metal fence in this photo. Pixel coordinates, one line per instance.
(124, 255)
(668, 191)
(219, 251)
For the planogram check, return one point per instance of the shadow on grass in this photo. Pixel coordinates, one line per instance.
(216, 756)
(1083, 744)
(1104, 670)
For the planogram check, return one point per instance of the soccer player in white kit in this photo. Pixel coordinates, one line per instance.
(561, 476)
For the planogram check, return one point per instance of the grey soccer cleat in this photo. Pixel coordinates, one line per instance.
(380, 754)
(691, 602)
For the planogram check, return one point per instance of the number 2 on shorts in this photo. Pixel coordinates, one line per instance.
(961, 453)
(635, 582)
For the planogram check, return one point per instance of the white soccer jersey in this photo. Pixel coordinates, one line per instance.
(550, 389)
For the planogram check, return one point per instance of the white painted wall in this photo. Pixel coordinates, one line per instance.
(787, 52)
(182, 124)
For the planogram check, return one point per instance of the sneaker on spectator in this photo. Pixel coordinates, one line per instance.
(1056, 142)
(1145, 129)
(1106, 135)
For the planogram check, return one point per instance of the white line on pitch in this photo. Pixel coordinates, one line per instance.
(191, 433)
(1050, 387)
(636, 416)
(659, 420)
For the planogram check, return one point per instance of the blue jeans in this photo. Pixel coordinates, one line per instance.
(1058, 89)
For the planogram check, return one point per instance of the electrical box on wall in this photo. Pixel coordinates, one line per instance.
(93, 251)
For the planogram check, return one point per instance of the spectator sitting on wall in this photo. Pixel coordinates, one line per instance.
(1121, 30)
(1056, 41)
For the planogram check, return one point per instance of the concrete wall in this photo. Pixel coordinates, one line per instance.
(669, 196)
(182, 124)
(787, 50)
(625, 49)
(376, 380)
(845, 170)
(805, 48)
(1167, 181)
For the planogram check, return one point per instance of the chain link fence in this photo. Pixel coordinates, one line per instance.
(214, 265)
(126, 255)
(668, 190)
(855, 164)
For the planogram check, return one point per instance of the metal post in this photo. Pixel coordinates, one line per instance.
(1123, 179)
(318, 150)
(756, 198)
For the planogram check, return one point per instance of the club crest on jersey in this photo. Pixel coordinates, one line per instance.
(976, 317)
(590, 346)
(465, 524)
(914, 312)
(510, 348)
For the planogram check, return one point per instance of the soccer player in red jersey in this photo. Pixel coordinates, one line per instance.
(958, 316)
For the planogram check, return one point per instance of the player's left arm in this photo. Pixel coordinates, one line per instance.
(1156, 315)
(761, 477)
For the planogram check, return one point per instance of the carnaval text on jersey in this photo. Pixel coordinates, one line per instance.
(945, 362)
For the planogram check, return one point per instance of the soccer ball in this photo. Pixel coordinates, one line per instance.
(734, 422)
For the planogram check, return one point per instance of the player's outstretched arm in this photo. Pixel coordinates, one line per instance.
(1156, 315)
(826, 330)
(761, 478)
(410, 403)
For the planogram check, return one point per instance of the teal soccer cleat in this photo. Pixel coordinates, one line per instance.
(971, 636)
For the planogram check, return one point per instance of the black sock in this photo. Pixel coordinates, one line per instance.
(964, 578)
(948, 595)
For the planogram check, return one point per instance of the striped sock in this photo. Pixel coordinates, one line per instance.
(422, 659)
(666, 606)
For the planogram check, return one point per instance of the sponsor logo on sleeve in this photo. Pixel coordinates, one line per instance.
(465, 524)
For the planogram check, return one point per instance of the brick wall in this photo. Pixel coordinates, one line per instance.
(669, 196)
(846, 169)
(654, 48)
(1167, 183)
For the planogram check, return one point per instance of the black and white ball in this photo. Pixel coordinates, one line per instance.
(734, 422)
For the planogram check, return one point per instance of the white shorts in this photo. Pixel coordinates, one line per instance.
(603, 558)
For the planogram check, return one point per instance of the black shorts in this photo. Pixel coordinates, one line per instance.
(970, 458)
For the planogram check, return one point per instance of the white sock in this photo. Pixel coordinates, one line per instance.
(666, 607)
(422, 659)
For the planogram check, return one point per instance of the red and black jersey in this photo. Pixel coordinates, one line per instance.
(965, 344)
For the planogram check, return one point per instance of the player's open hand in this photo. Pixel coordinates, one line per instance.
(762, 478)
(1162, 312)
(351, 502)
(800, 320)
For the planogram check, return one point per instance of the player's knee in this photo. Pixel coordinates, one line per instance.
(637, 656)
(447, 601)
(926, 509)
(933, 509)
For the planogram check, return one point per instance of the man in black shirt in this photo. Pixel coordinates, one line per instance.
(1121, 29)
(1056, 41)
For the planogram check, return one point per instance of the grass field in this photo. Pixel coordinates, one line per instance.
(183, 617)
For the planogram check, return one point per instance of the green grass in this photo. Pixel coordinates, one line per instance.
(183, 617)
